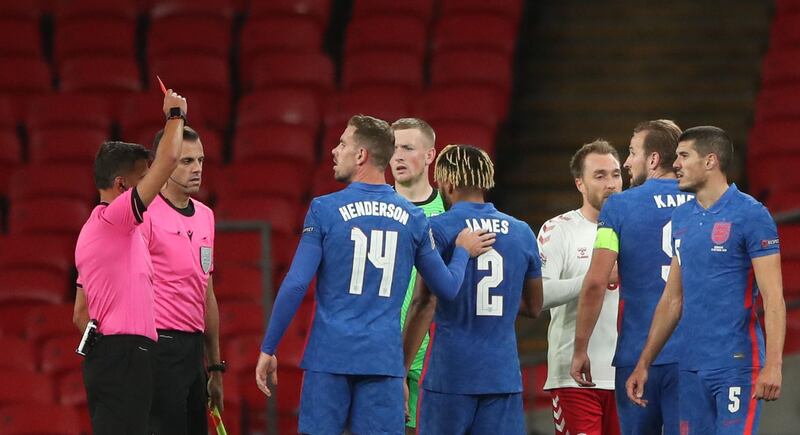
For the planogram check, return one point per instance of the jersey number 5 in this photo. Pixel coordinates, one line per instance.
(490, 305)
(381, 253)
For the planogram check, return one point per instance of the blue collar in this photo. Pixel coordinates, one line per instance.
(721, 202)
(371, 187)
(473, 206)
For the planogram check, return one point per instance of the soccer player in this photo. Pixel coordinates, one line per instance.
(472, 382)
(115, 272)
(634, 232)
(414, 152)
(361, 242)
(566, 247)
(180, 232)
(717, 239)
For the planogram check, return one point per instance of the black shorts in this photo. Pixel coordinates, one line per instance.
(180, 394)
(118, 375)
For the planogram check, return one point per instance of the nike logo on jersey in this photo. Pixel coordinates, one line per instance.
(670, 201)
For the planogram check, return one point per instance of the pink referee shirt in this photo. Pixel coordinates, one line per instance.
(115, 270)
(181, 243)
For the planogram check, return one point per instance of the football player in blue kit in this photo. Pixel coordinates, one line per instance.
(717, 239)
(472, 382)
(634, 231)
(361, 242)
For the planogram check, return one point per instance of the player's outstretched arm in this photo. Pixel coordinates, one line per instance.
(665, 319)
(532, 295)
(445, 280)
(418, 321)
(767, 271)
(168, 152)
(80, 312)
(590, 303)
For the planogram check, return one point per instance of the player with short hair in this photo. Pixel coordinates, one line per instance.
(115, 272)
(633, 232)
(361, 242)
(717, 240)
(414, 152)
(472, 381)
(565, 243)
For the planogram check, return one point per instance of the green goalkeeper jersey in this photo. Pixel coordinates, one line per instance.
(431, 206)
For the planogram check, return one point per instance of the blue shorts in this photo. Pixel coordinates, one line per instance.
(365, 404)
(718, 401)
(456, 414)
(661, 393)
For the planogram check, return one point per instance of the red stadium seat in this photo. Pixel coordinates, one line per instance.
(41, 420)
(784, 31)
(81, 9)
(781, 66)
(20, 38)
(12, 318)
(241, 353)
(20, 10)
(10, 148)
(282, 252)
(71, 390)
(421, 9)
(63, 145)
(790, 271)
(472, 68)
(292, 70)
(387, 103)
(141, 117)
(477, 105)
(270, 142)
(401, 70)
(774, 171)
(100, 75)
(783, 200)
(36, 216)
(69, 110)
(58, 355)
(475, 32)
(280, 106)
(777, 103)
(776, 137)
(281, 213)
(389, 33)
(241, 318)
(238, 247)
(24, 76)
(94, 37)
(293, 344)
(50, 181)
(27, 285)
(467, 134)
(8, 115)
(240, 283)
(20, 355)
(319, 10)
(790, 241)
(49, 321)
(324, 183)
(258, 178)
(25, 387)
(201, 78)
(209, 36)
(289, 34)
(34, 251)
(511, 9)
(220, 9)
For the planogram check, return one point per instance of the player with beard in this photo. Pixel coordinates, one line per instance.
(414, 152)
(565, 244)
(631, 233)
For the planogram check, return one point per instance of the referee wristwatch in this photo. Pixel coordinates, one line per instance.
(221, 367)
(176, 113)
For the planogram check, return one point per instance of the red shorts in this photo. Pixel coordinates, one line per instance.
(584, 411)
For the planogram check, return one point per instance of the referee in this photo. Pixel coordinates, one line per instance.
(180, 234)
(115, 273)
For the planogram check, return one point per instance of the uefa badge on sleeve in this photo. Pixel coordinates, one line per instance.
(206, 258)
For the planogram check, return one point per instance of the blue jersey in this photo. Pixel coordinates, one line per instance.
(715, 248)
(474, 348)
(640, 219)
(370, 238)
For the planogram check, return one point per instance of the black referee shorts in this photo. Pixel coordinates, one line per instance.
(179, 393)
(118, 375)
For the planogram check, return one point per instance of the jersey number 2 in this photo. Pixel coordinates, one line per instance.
(490, 305)
(381, 253)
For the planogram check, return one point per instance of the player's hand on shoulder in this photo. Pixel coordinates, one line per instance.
(267, 366)
(581, 370)
(635, 386)
(768, 384)
(172, 99)
(475, 242)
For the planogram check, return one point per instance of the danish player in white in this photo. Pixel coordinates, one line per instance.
(565, 244)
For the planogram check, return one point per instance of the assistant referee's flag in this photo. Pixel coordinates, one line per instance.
(216, 420)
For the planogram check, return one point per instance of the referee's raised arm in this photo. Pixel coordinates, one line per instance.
(168, 151)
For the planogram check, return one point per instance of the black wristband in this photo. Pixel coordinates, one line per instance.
(221, 367)
(176, 113)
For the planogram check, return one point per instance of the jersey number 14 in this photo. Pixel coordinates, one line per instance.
(381, 253)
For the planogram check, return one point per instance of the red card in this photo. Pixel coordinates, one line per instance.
(160, 83)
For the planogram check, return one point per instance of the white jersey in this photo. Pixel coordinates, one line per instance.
(565, 244)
